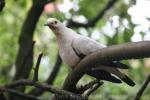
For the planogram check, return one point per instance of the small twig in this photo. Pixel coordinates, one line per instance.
(141, 90)
(82, 89)
(18, 93)
(92, 89)
(36, 69)
(51, 77)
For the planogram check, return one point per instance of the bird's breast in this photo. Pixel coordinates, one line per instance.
(69, 56)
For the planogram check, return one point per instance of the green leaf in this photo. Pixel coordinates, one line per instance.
(90, 8)
(127, 35)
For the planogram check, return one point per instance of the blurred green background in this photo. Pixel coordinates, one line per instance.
(126, 21)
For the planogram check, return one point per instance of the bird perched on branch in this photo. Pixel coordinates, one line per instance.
(74, 47)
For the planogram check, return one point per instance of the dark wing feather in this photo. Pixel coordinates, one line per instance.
(103, 75)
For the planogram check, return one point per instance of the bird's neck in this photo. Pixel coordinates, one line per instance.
(64, 33)
(64, 36)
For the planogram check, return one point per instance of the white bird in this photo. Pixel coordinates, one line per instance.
(74, 47)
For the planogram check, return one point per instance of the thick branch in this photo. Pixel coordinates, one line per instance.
(22, 65)
(18, 93)
(125, 51)
(140, 92)
(26, 38)
(93, 21)
(45, 87)
(2, 4)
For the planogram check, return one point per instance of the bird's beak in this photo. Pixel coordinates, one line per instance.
(46, 24)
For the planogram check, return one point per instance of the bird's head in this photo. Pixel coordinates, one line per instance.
(53, 23)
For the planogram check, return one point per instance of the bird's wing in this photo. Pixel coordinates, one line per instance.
(85, 46)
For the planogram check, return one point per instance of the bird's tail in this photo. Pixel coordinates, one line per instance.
(127, 80)
(117, 73)
(103, 75)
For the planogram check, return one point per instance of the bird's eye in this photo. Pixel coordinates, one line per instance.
(55, 22)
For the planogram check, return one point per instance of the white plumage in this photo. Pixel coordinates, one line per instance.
(74, 47)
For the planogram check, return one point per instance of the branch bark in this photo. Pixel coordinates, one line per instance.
(23, 63)
(125, 51)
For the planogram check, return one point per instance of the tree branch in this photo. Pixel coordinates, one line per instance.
(22, 65)
(82, 89)
(45, 87)
(93, 88)
(93, 21)
(141, 90)
(51, 78)
(36, 70)
(125, 51)
(2, 4)
(25, 82)
(25, 39)
(18, 93)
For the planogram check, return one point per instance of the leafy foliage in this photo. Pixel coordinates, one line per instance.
(12, 18)
(90, 9)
